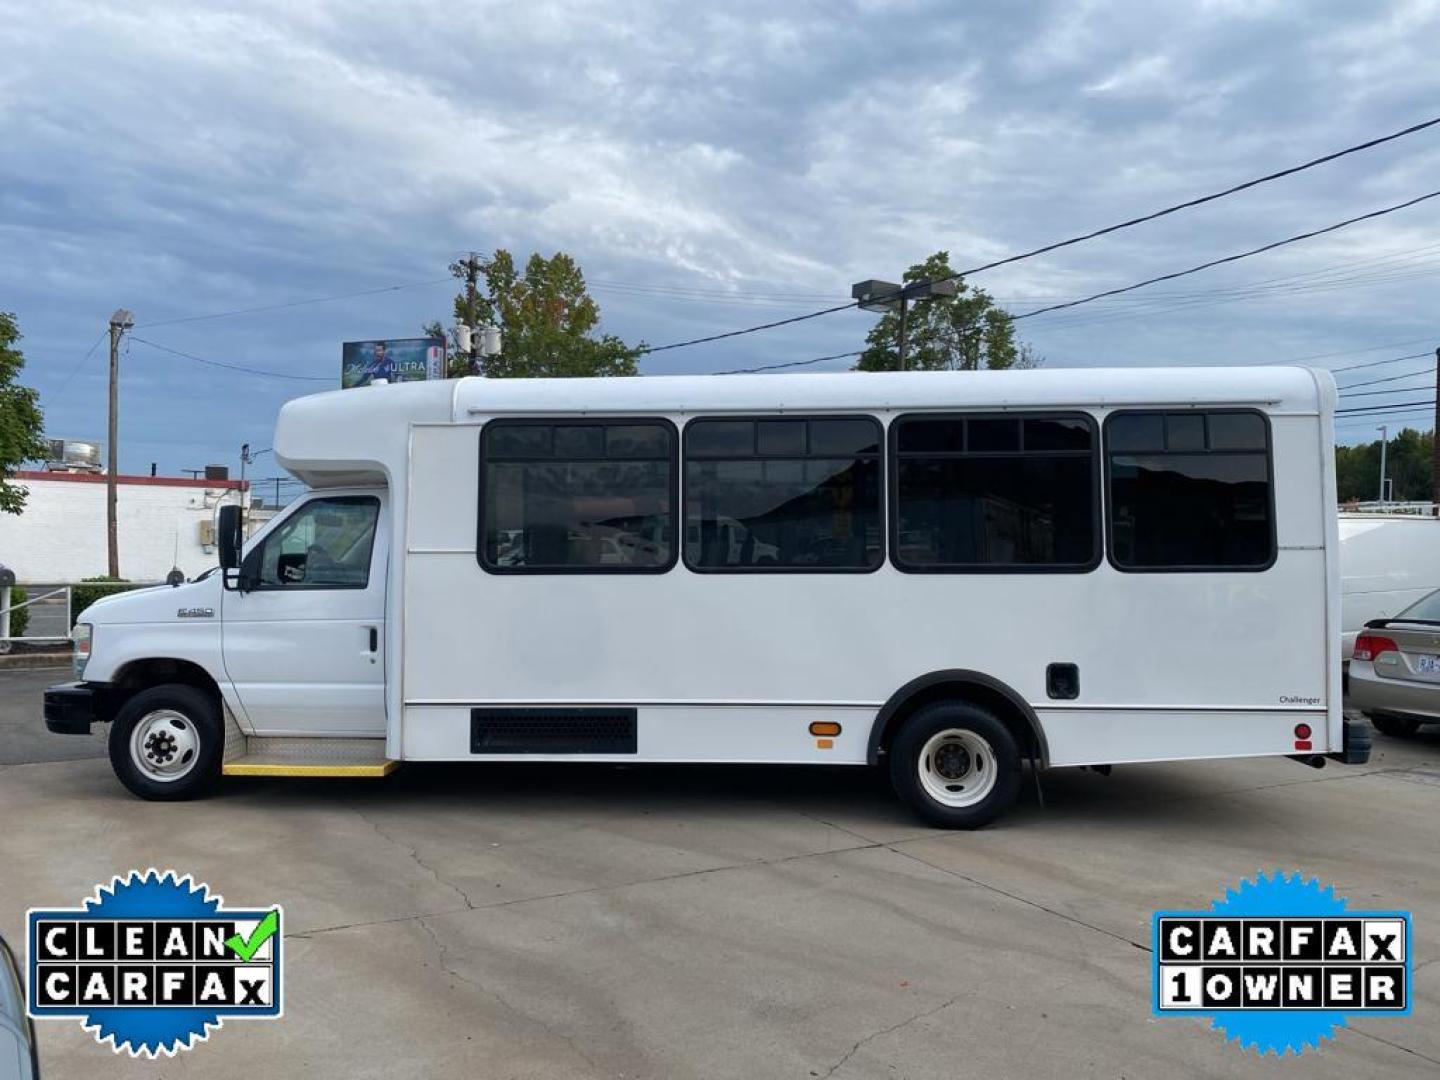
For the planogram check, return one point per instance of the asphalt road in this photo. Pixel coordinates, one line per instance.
(580, 921)
(23, 737)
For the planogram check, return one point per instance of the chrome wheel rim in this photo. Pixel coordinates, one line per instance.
(957, 768)
(164, 745)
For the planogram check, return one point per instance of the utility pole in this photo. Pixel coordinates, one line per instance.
(1384, 440)
(121, 321)
(472, 277)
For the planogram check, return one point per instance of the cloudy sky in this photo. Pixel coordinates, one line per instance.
(710, 166)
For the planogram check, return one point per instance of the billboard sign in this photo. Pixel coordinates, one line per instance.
(395, 360)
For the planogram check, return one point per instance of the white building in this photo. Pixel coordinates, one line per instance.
(163, 522)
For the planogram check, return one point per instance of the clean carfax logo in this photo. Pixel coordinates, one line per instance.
(1278, 963)
(152, 962)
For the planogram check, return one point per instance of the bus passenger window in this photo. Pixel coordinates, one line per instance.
(1190, 491)
(783, 493)
(584, 495)
(978, 492)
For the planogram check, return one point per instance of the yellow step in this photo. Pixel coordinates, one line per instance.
(305, 756)
(248, 767)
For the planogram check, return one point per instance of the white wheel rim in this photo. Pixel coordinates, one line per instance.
(164, 745)
(957, 767)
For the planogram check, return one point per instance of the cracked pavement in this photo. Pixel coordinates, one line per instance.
(588, 921)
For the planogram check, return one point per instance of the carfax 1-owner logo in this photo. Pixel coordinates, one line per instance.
(152, 962)
(1278, 963)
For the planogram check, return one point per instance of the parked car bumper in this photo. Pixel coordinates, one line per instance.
(71, 708)
(1371, 693)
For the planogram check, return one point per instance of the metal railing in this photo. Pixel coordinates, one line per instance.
(51, 609)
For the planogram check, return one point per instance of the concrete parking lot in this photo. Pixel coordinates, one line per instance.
(581, 921)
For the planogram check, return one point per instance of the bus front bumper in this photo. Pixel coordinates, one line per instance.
(71, 708)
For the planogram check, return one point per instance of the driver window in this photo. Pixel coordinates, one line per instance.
(325, 544)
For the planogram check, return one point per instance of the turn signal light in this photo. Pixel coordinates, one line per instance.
(825, 728)
(1370, 646)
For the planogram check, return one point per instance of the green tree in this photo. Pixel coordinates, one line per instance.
(547, 321)
(21, 423)
(964, 332)
(1407, 464)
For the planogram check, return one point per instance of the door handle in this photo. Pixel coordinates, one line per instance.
(374, 639)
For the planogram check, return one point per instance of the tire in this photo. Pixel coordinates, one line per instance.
(1397, 727)
(956, 764)
(167, 743)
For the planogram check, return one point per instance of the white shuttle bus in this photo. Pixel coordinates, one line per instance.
(945, 574)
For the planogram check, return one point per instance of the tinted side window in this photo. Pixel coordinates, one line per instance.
(976, 493)
(585, 495)
(788, 493)
(326, 544)
(1190, 491)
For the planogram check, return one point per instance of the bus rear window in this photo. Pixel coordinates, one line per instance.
(1190, 491)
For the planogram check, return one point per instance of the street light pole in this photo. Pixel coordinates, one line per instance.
(904, 306)
(875, 295)
(1384, 438)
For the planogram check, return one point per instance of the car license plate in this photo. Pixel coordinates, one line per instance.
(1428, 665)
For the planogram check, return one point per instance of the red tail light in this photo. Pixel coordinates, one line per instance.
(1370, 646)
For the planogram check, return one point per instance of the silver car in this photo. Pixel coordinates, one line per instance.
(1395, 671)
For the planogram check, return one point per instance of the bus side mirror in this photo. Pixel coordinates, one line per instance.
(230, 537)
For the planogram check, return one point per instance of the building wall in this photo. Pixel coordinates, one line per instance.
(61, 534)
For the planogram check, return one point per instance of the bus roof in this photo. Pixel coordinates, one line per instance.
(360, 435)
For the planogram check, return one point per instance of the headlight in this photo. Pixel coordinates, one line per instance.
(81, 637)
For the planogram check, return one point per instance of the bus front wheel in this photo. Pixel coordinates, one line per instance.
(166, 743)
(956, 764)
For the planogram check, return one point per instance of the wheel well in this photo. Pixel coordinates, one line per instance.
(990, 694)
(143, 674)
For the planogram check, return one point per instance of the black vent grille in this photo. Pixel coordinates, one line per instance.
(552, 731)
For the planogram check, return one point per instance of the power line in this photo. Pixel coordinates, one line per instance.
(81, 363)
(1292, 360)
(792, 363)
(1236, 257)
(751, 329)
(1392, 378)
(230, 367)
(1378, 363)
(1370, 409)
(295, 303)
(1130, 223)
(1142, 309)
(1396, 390)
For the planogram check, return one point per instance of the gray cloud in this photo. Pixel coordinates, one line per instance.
(178, 160)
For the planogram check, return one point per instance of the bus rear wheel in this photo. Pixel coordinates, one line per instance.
(956, 764)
